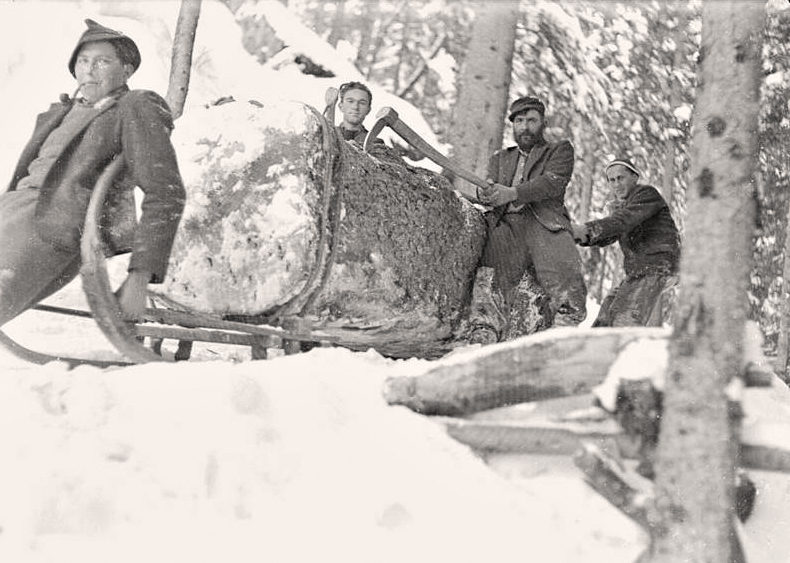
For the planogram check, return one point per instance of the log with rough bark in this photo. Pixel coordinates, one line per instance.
(551, 427)
(284, 219)
(551, 364)
(615, 484)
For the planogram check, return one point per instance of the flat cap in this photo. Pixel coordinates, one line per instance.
(525, 103)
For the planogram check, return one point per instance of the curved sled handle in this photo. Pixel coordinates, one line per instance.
(96, 282)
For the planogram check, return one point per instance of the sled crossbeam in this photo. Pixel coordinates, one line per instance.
(198, 335)
(189, 327)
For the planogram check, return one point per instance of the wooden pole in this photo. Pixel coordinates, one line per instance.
(181, 62)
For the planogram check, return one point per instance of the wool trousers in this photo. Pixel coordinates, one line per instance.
(30, 269)
(646, 300)
(516, 242)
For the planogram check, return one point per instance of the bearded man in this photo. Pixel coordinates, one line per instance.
(529, 225)
(43, 211)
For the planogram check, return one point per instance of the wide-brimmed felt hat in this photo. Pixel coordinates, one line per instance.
(525, 103)
(127, 49)
(623, 162)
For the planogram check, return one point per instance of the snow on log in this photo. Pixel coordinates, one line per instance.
(250, 226)
(285, 219)
(555, 363)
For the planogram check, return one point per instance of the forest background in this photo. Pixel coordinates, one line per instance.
(618, 79)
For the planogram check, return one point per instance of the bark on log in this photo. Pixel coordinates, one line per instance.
(283, 218)
(555, 363)
(609, 480)
(486, 437)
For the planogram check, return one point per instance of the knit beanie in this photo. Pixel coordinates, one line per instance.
(623, 162)
(127, 49)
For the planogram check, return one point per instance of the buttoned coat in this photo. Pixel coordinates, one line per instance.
(546, 175)
(135, 124)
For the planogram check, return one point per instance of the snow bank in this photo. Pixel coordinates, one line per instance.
(283, 460)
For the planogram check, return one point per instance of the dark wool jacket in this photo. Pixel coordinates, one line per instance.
(358, 136)
(546, 174)
(136, 124)
(644, 227)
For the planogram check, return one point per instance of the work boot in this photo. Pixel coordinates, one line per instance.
(482, 334)
(487, 316)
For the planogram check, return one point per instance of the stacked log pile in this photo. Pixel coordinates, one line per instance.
(595, 394)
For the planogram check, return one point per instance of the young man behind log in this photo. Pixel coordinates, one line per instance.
(642, 223)
(529, 226)
(354, 102)
(43, 211)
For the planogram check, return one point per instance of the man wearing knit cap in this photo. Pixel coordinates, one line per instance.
(529, 225)
(43, 211)
(640, 220)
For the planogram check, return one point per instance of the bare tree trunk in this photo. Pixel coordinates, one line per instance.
(423, 66)
(403, 52)
(783, 344)
(338, 24)
(484, 85)
(670, 170)
(365, 37)
(586, 195)
(181, 63)
(697, 452)
(381, 30)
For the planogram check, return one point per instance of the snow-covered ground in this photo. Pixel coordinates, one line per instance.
(294, 458)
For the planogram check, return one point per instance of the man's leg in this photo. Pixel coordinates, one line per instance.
(507, 251)
(504, 259)
(637, 301)
(604, 317)
(558, 269)
(30, 269)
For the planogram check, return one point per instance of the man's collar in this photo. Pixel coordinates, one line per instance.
(361, 128)
(114, 95)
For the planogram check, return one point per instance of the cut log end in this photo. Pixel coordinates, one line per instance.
(403, 391)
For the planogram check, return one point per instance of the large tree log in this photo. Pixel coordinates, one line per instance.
(551, 364)
(283, 218)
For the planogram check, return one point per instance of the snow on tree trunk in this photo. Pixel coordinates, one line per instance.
(484, 85)
(698, 442)
(380, 253)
